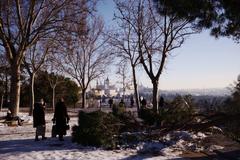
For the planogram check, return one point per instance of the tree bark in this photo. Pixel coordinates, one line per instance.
(32, 93)
(6, 89)
(15, 89)
(135, 89)
(53, 98)
(83, 98)
(1, 102)
(155, 95)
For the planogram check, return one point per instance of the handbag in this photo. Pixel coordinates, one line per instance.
(54, 131)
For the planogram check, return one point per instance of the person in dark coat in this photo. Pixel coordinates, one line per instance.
(39, 120)
(121, 103)
(132, 101)
(61, 118)
(161, 102)
(110, 102)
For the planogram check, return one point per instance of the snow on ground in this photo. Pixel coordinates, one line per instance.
(17, 143)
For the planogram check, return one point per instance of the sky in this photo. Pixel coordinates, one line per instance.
(202, 62)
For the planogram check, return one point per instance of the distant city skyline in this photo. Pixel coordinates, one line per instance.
(201, 62)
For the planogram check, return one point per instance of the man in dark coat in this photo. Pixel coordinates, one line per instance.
(161, 102)
(39, 120)
(110, 102)
(61, 118)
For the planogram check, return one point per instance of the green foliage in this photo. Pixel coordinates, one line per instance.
(128, 122)
(232, 109)
(178, 112)
(67, 89)
(233, 105)
(96, 129)
(221, 16)
(71, 91)
(232, 128)
(148, 115)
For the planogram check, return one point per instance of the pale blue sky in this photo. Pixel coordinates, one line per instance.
(202, 61)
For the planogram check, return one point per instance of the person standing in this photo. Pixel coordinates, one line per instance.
(61, 118)
(161, 102)
(110, 102)
(132, 101)
(39, 120)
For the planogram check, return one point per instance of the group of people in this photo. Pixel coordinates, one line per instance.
(122, 103)
(143, 102)
(60, 119)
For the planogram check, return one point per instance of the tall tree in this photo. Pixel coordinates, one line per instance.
(157, 36)
(33, 61)
(125, 42)
(22, 23)
(86, 54)
(54, 70)
(122, 72)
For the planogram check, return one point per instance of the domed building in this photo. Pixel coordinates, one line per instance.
(105, 89)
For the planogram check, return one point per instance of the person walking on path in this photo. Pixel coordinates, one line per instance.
(39, 120)
(61, 119)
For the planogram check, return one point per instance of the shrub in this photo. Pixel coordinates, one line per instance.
(232, 109)
(96, 129)
(179, 112)
(118, 109)
(129, 123)
(148, 115)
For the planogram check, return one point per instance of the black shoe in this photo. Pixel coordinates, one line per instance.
(36, 139)
(44, 138)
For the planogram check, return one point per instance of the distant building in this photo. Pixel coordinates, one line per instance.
(105, 89)
(108, 90)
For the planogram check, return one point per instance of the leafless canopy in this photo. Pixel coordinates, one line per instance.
(156, 36)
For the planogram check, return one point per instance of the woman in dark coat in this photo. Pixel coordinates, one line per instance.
(39, 120)
(61, 118)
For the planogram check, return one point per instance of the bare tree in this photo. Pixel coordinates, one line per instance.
(54, 72)
(122, 72)
(124, 40)
(86, 54)
(22, 23)
(157, 36)
(33, 61)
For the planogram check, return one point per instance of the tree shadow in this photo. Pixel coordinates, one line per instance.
(29, 145)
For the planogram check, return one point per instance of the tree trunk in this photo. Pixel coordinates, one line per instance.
(53, 98)
(32, 79)
(1, 102)
(135, 89)
(155, 95)
(15, 89)
(6, 90)
(83, 98)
